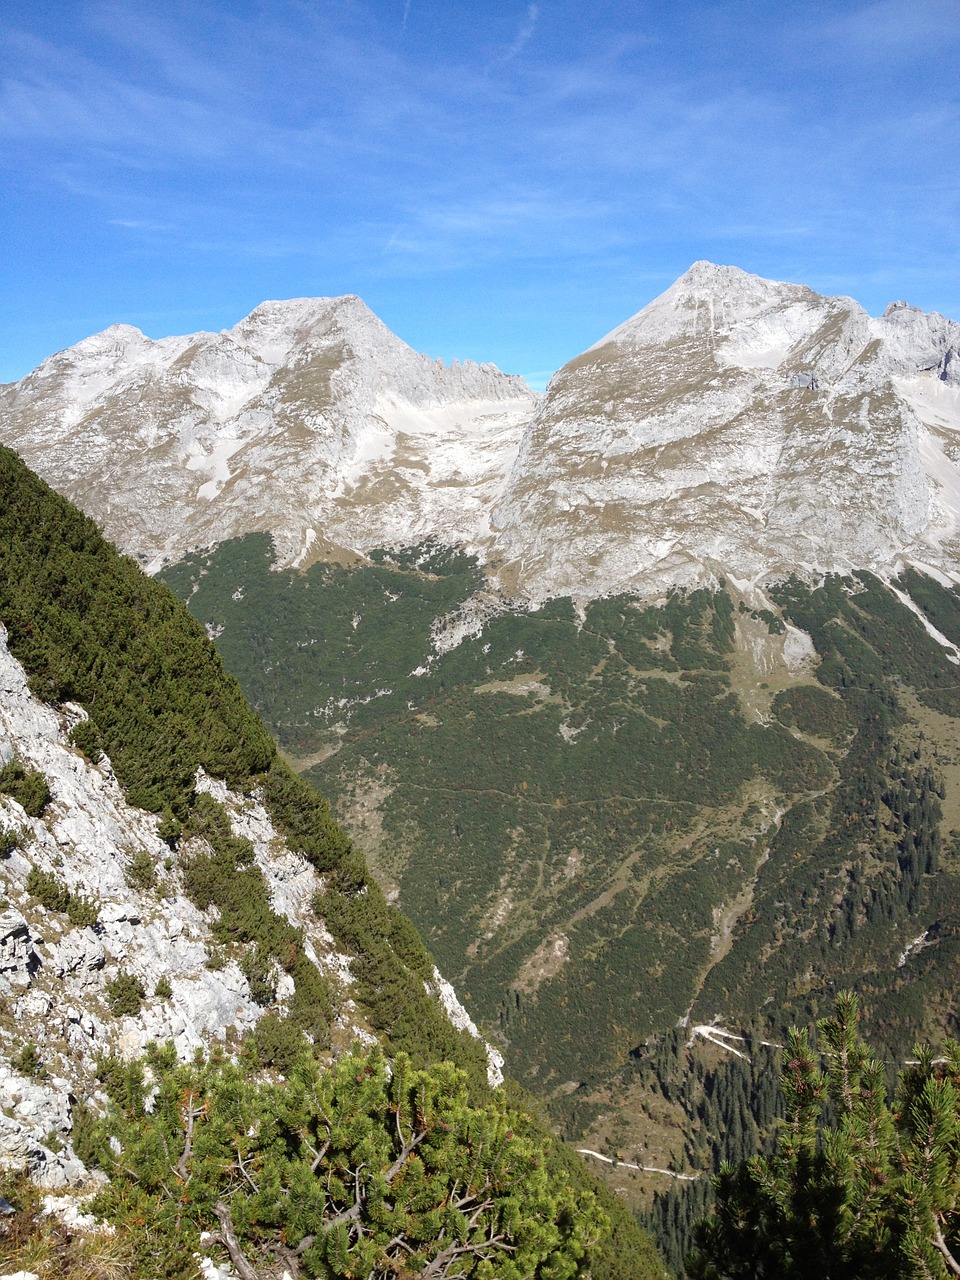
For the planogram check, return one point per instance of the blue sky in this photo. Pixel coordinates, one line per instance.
(499, 181)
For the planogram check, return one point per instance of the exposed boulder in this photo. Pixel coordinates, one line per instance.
(18, 957)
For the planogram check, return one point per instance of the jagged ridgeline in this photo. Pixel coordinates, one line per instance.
(610, 819)
(91, 629)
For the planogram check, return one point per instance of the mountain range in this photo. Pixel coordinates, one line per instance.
(734, 425)
(309, 420)
(639, 697)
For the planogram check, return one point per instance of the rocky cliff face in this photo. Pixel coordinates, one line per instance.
(738, 426)
(735, 426)
(57, 977)
(309, 420)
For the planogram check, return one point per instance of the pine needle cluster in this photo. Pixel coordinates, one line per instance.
(366, 1168)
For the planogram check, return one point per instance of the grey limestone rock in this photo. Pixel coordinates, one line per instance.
(55, 975)
(18, 957)
(32, 1115)
(79, 953)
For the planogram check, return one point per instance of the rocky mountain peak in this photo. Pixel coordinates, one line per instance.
(709, 300)
(735, 425)
(278, 331)
(737, 290)
(919, 342)
(308, 414)
(738, 426)
(114, 337)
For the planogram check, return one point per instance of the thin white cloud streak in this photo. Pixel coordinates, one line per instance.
(140, 224)
(140, 35)
(487, 218)
(534, 225)
(609, 121)
(57, 95)
(524, 35)
(892, 29)
(67, 101)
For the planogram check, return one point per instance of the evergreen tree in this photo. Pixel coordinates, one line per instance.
(859, 1186)
(364, 1169)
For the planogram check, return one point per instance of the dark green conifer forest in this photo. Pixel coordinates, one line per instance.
(704, 840)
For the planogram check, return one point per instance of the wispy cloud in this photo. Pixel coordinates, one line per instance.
(524, 35)
(140, 224)
(91, 127)
(600, 131)
(506, 138)
(483, 218)
(892, 28)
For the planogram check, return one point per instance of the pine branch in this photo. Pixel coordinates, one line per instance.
(190, 1114)
(941, 1246)
(408, 1148)
(302, 1247)
(448, 1256)
(318, 1156)
(242, 1168)
(228, 1238)
(351, 1214)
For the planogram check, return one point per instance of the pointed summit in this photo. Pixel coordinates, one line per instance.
(704, 274)
(307, 415)
(739, 426)
(707, 298)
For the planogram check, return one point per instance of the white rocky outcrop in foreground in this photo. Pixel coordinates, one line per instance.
(54, 976)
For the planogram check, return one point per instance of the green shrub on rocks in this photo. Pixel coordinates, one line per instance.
(125, 995)
(27, 786)
(365, 1168)
(51, 892)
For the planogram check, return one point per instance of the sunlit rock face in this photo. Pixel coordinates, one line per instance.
(739, 427)
(56, 974)
(735, 427)
(309, 420)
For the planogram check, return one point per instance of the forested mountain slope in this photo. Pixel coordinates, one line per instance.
(620, 824)
(168, 877)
